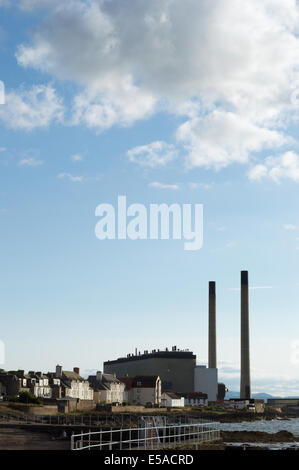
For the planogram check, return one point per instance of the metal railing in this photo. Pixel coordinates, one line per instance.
(146, 437)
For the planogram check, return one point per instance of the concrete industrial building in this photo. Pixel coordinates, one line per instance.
(175, 367)
(178, 370)
(206, 381)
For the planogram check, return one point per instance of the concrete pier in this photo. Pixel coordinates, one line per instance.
(245, 388)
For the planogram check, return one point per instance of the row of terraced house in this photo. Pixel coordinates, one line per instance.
(68, 388)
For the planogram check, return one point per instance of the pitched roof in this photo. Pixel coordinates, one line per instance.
(172, 395)
(100, 386)
(95, 384)
(128, 382)
(70, 375)
(63, 384)
(109, 378)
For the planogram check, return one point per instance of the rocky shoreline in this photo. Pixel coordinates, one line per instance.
(256, 440)
(257, 436)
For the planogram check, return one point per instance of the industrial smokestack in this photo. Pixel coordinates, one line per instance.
(212, 325)
(245, 389)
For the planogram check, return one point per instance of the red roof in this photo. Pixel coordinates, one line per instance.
(127, 381)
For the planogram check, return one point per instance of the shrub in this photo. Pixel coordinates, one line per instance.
(27, 397)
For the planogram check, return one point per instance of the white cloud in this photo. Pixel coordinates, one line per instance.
(73, 179)
(2, 149)
(133, 58)
(222, 138)
(200, 185)
(289, 227)
(116, 104)
(258, 172)
(30, 162)
(262, 380)
(157, 185)
(152, 155)
(285, 166)
(30, 109)
(76, 157)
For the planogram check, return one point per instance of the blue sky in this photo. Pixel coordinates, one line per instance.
(91, 87)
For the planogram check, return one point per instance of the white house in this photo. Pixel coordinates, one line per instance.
(107, 388)
(34, 382)
(74, 385)
(195, 399)
(38, 384)
(172, 400)
(143, 390)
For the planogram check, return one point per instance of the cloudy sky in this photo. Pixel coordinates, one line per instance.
(164, 101)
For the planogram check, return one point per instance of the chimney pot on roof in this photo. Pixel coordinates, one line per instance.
(58, 371)
(99, 376)
(76, 370)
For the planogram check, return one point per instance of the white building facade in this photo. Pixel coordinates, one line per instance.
(172, 400)
(75, 385)
(206, 381)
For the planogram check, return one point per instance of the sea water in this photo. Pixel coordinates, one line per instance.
(271, 427)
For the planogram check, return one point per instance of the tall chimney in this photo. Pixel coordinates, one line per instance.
(212, 325)
(245, 389)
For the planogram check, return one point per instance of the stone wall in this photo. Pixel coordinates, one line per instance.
(136, 409)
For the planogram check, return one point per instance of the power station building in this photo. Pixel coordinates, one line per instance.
(175, 368)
